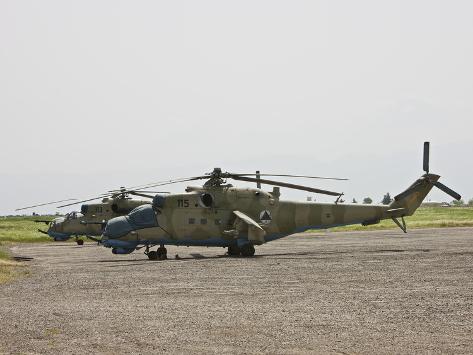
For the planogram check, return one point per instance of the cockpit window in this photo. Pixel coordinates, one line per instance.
(159, 201)
(74, 215)
(84, 209)
(143, 217)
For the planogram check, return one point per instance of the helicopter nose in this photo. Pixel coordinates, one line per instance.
(117, 227)
(140, 218)
(57, 223)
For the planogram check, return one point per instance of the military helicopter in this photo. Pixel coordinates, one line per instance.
(90, 220)
(220, 215)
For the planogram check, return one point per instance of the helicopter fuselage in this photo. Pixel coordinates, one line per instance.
(225, 215)
(89, 221)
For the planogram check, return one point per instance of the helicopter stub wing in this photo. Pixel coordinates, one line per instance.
(396, 210)
(255, 232)
(248, 220)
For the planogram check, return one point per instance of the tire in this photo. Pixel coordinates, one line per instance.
(247, 250)
(152, 255)
(162, 253)
(80, 242)
(233, 250)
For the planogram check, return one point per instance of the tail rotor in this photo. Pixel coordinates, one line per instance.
(437, 184)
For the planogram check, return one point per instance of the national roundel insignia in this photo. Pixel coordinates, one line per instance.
(265, 217)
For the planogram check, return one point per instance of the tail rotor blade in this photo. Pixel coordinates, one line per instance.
(426, 156)
(447, 190)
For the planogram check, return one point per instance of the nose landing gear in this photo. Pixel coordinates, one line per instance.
(246, 250)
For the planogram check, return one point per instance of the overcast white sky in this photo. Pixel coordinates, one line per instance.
(99, 94)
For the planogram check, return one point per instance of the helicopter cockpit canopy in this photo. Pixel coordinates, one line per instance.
(141, 217)
(159, 201)
(74, 215)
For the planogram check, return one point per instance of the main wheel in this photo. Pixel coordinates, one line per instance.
(80, 242)
(247, 250)
(233, 250)
(152, 255)
(162, 253)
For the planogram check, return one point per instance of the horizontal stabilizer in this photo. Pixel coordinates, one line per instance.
(395, 210)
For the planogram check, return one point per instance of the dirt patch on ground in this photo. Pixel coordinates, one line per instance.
(361, 292)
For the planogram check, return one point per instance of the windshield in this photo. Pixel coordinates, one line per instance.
(74, 215)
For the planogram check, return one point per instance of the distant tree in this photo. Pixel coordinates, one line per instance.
(367, 200)
(458, 203)
(387, 199)
(470, 203)
(355, 201)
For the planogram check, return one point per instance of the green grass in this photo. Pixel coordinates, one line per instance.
(9, 269)
(23, 229)
(425, 217)
(4, 255)
(17, 229)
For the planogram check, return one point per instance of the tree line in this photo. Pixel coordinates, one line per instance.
(387, 199)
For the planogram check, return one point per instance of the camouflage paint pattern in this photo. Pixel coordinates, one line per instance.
(89, 222)
(257, 216)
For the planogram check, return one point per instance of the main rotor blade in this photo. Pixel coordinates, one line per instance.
(447, 190)
(45, 204)
(295, 176)
(140, 194)
(151, 192)
(426, 156)
(169, 182)
(161, 183)
(284, 184)
(87, 200)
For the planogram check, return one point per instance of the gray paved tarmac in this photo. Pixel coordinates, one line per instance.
(364, 292)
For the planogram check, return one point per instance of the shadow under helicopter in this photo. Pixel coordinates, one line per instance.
(290, 255)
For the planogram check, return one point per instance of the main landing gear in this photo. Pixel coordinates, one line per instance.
(245, 250)
(160, 254)
(79, 241)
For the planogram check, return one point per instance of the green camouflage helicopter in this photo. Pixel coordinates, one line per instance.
(91, 219)
(218, 214)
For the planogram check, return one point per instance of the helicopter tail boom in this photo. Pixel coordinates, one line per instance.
(408, 201)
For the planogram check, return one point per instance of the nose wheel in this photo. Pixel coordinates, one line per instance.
(245, 250)
(79, 241)
(160, 254)
(233, 250)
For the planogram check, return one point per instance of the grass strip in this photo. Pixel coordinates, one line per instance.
(9, 268)
(425, 217)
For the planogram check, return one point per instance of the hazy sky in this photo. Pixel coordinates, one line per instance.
(99, 94)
